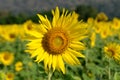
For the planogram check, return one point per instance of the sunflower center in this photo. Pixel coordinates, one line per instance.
(10, 76)
(112, 52)
(6, 57)
(55, 41)
(29, 27)
(58, 41)
(12, 35)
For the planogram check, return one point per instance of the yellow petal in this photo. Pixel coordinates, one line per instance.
(40, 56)
(43, 57)
(54, 62)
(77, 47)
(78, 43)
(42, 28)
(36, 52)
(33, 42)
(45, 21)
(50, 61)
(67, 58)
(48, 24)
(35, 46)
(35, 34)
(77, 38)
(46, 60)
(61, 20)
(56, 15)
(61, 64)
(78, 54)
(74, 58)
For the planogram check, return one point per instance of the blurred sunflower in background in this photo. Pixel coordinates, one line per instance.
(112, 50)
(9, 76)
(18, 66)
(58, 41)
(29, 26)
(105, 30)
(93, 39)
(0, 33)
(101, 17)
(10, 32)
(6, 58)
(115, 23)
(2, 75)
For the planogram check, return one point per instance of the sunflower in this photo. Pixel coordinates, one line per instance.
(2, 75)
(93, 39)
(18, 66)
(0, 30)
(115, 23)
(29, 26)
(105, 30)
(6, 58)
(10, 32)
(9, 76)
(112, 50)
(58, 41)
(101, 17)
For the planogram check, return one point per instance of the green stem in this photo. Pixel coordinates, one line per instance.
(115, 78)
(86, 55)
(50, 75)
(115, 74)
(5, 69)
(109, 71)
(27, 72)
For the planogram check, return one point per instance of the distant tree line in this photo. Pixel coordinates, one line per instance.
(83, 10)
(86, 11)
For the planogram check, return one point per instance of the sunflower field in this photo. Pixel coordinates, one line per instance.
(61, 48)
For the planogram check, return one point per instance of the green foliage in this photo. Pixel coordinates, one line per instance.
(94, 67)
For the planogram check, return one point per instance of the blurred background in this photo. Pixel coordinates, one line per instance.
(18, 11)
(18, 17)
